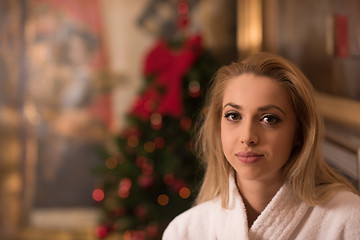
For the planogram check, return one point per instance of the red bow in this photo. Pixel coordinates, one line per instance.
(164, 94)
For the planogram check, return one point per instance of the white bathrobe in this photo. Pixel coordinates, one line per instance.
(285, 217)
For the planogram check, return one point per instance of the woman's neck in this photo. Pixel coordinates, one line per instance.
(257, 195)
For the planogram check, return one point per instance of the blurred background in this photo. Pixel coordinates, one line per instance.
(98, 100)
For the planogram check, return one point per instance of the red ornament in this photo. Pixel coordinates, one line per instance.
(159, 142)
(169, 179)
(178, 184)
(98, 195)
(141, 212)
(118, 212)
(140, 161)
(183, 14)
(124, 188)
(156, 121)
(185, 123)
(101, 231)
(147, 169)
(145, 181)
(152, 230)
(194, 89)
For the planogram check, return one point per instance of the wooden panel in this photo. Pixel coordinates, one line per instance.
(341, 110)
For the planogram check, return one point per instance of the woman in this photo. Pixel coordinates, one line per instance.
(265, 177)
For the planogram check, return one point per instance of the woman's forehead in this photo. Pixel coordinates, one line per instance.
(253, 90)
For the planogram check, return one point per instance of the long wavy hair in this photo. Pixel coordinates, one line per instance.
(306, 172)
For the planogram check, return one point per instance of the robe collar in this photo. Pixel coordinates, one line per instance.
(279, 219)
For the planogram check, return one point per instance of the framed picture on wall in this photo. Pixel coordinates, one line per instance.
(70, 108)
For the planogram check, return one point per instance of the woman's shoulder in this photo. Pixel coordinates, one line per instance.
(343, 209)
(343, 201)
(196, 221)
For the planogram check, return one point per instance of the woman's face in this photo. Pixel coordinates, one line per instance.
(258, 127)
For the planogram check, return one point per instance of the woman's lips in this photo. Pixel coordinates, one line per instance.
(248, 157)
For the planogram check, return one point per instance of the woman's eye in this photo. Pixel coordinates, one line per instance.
(232, 116)
(270, 119)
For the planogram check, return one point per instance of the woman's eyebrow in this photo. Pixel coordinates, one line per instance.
(267, 107)
(233, 105)
(261, 109)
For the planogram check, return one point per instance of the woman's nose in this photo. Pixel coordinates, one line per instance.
(249, 134)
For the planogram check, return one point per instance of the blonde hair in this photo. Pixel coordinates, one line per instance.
(309, 177)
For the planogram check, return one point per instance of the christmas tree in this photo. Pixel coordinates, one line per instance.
(155, 175)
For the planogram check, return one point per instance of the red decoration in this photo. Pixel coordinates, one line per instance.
(159, 142)
(118, 212)
(145, 181)
(152, 230)
(98, 195)
(168, 66)
(185, 123)
(183, 14)
(101, 231)
(342, 38)
(178, 184)
(169, 179)
(141, 161)
(141, 212)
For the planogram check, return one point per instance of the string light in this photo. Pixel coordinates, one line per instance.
(124, 188)
(152, 230)
(131, 235)
(127, 235)
(163, 199)
(111, 163)
(141, 212)
(140, 161)
(101, 231)
(194, 89)
(98, 195)
(184, 192)
(185, 123)
(169, 179)
(183, 14)
(147, 169)
(159, 142)
(133, 141)
(119, 211)
(145, 181)
(156, 119)
(149, 147)
(149, 105)
(120, 158)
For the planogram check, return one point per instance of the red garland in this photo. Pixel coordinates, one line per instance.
(169, 67)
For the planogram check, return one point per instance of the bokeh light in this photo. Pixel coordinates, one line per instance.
(140, 161)
(156, 119)
(98, 195)
(184, 192)
(101, 231)
(159, 142)
(145, 181)
(185, 123)
(163, 199)
(194, 89)
(133, 141)
(169, 179)
(149, 146)
(124, 188)
(111, 163)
